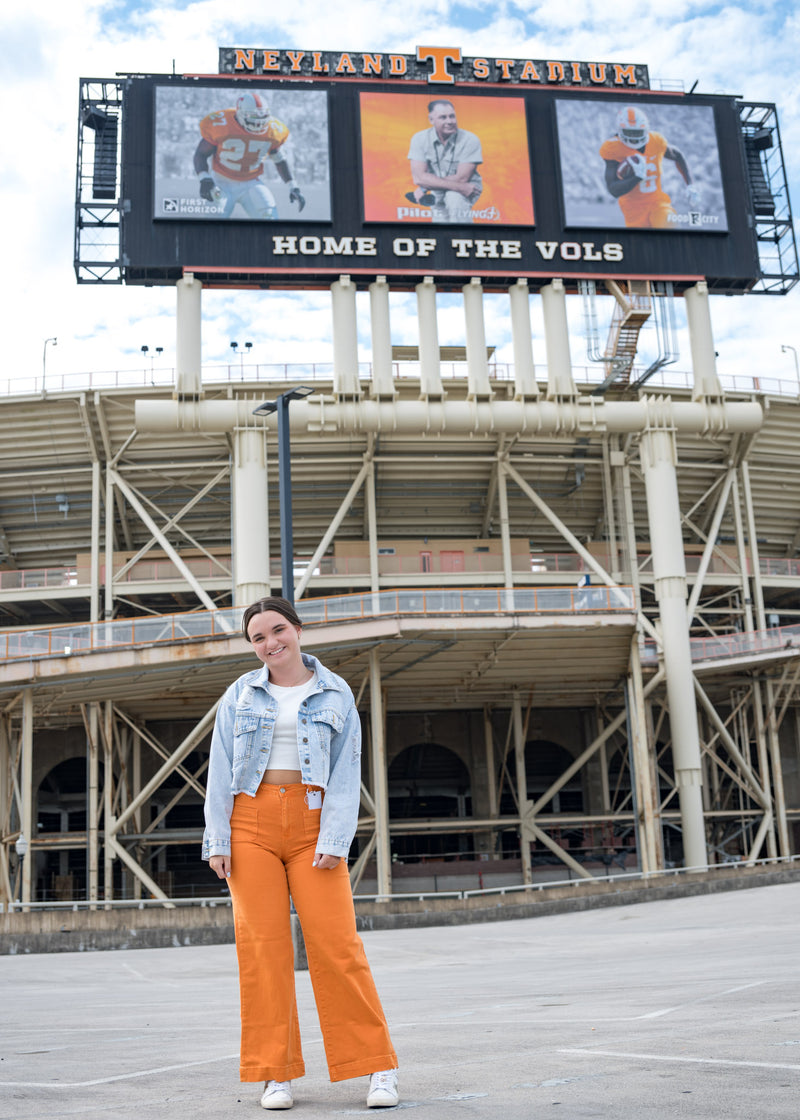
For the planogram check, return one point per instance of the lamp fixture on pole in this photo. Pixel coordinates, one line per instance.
(784, 349)
(147, 351)
(281, 406)
(44, 359)
(235, 347)
(21, 848)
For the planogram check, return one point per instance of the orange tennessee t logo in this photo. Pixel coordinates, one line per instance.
(440, 56)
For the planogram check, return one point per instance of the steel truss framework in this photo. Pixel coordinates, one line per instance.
(144, 717)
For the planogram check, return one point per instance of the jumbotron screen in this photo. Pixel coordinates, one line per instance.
(282, 183)
(641, 165)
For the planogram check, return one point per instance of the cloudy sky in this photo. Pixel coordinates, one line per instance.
(747, 48)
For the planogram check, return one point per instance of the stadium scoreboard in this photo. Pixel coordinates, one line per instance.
(289, 168)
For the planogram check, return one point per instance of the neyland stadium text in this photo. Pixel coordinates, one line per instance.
(443, 66)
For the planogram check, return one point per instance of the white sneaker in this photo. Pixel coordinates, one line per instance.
(383, 1089)
(277, 1094)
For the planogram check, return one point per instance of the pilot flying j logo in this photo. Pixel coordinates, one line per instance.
(439, 66)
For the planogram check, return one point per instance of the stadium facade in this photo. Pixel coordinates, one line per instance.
(570, 617)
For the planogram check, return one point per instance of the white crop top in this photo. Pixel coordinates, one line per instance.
(285, 752)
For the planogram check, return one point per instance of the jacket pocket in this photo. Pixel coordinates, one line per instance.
(245, 731)
(329, 717)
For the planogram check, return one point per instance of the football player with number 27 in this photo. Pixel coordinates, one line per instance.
(633, 161)
(238, 141)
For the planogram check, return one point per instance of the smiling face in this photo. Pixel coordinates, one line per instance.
(276, 642)
(443, 118)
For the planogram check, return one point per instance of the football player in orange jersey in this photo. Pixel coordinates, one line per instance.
(238, 141)
(633, 161)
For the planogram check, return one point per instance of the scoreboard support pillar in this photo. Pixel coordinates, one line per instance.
(701, 342)
(380, 326)
(477, 366)
(556, 337)
(345, 338)
(188, 373)
(430, 369)
(521, 336)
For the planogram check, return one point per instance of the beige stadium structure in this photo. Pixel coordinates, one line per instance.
(569, 609)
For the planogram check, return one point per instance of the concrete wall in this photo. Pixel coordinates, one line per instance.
(60, 931)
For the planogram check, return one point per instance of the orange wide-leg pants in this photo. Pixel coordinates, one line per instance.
(273, 840)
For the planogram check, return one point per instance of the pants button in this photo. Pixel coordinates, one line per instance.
(283, 789)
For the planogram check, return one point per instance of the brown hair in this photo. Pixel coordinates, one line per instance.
(271, 603)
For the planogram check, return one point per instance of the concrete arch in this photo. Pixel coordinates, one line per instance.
(431, 781)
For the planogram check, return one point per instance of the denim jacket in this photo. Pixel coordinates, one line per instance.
(329, 740)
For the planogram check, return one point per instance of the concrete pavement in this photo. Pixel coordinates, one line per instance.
(688, 1007)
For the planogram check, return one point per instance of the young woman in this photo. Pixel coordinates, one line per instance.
(282, 798)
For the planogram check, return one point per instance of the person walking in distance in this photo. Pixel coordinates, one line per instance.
(281, 810)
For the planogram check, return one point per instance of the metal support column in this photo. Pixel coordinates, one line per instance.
(669, 569)
(188, 342)
(94, 564)
(26, 791)
(556, 337)
(701, 342)
(380, 782)
(611, 519)
(491, 776)
(647, 800)
(380, 327)
(6, 808)
(477, 365)
(525, 386)
(108, 559)
(250, 517)
(372, 527)
(136, 789)
(526, 835)
(430, 370)
(766, 733)
(108, 799)
(345, 338)
(92, 814)
(505, 536)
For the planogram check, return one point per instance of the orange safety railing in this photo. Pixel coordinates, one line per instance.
(736, 645)
(189, 626)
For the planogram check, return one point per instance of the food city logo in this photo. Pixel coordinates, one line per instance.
(463, 248)
(442, 66)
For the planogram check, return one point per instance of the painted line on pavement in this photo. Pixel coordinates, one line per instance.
(693, 1061)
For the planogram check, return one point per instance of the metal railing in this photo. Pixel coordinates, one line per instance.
(164, 570)
(297, 372)
(154, 629)
(540, 886)
(725, 646)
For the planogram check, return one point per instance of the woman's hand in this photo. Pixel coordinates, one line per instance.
(222, 866)
(326, 863)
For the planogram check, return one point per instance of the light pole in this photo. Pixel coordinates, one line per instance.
(796, 364)
(44, 359)
(21, 848)
(235, 347)
(281, 406)
(146, 350)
